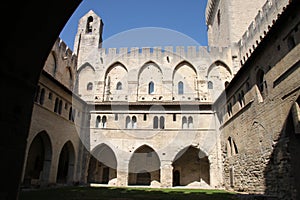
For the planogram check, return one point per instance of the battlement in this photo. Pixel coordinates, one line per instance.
(188, 52)
(64, 49)
(257, 30)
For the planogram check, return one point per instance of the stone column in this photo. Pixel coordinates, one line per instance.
(166, 174)
(122, 175)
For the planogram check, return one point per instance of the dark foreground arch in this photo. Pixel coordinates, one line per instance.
(30, 31)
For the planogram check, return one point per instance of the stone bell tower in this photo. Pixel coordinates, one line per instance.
(89, 36)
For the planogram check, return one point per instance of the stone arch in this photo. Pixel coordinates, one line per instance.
(186, 74)
(69, 77)
(38, 161)
(115, 74)
(150, 72)
(85, 75)
(102, 165)
(144, 166)
(193, 167)
(218, 74)
(51, 63)
(66, 164)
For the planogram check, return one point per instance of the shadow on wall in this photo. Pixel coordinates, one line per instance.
(282, 173)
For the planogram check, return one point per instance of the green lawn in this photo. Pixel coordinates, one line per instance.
(106, 193)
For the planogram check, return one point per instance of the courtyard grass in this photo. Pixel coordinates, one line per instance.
(113, 193)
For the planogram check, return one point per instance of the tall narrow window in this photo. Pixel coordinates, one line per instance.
(162, 122)
(291, 42)
(89, 86)
(210, 85)
(155, 122)
(134, 122)
(116, 117)
(56, 105)
(89, 27)
(60, 107)
(119, 86)
(42, 96)
(151, 88)
(70, 113)
(219, 17)
(98, 119)
(104, 120)
(190, 122)
(184, 123)
(128, 122)
(180, 87)
(260, 80)
(145, 117)
(174, 117)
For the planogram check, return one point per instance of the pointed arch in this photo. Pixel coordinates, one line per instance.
(39, 158)
(65, 171)
(184, 78)
(102, 167)
(144, 166)
(51, 64)
(192, 165)
(116, 83)
(218, 63)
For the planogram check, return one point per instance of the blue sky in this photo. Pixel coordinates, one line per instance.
(143, 23)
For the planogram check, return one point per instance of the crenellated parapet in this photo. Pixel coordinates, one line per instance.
(258, 29)
(181, 52)
(61, 64)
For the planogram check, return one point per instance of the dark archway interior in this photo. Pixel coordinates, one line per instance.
(188, 167)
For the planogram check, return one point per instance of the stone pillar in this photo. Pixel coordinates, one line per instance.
(166, 174)
(122, 175)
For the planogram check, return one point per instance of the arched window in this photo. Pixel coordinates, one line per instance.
(104, 122)
(134, 122)
(151, 88)
(70, 113)
(184, 123)
(128, 122)
(242, 99)
(180, 87)
(162, 122)
(119, 86)
(260, 80)
(42, 96)
(89, 86)
(190, 122)
(56, 105)
(98, 119)
(291, 42)
(60, 107)
(229, 147)
(155, 122)
(210, 85)
(89, 27)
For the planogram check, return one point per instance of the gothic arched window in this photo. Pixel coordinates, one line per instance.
(119, 86)
(89, 86)
(210, 85)
(151, 88)
(180, 87)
